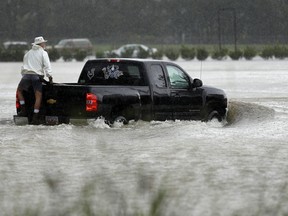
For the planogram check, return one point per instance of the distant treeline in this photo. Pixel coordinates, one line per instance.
(153, 21)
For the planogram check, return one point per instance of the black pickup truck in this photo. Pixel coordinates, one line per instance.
(129, 89)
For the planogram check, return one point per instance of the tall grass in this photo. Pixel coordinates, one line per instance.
(93, 199)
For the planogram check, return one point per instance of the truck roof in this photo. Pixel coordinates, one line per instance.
(127, 60)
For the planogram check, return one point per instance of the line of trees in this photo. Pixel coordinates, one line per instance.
(153, 21)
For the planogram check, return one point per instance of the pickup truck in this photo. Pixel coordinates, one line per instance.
(128, 89)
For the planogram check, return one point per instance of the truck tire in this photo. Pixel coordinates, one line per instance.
(214, 115)
(121, 119)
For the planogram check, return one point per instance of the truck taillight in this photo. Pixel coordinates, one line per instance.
(17, 102)
(91, 102)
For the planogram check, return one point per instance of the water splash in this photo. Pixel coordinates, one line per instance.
(247, 112)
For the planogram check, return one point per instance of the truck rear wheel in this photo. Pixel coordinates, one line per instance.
(121, 119)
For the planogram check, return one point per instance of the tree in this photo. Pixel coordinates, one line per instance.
(153, 21)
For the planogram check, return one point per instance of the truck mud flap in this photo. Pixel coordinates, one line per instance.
(55, 120)
(19, 120)
(51, 120)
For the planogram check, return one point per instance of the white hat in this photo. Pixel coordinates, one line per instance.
(39, 40)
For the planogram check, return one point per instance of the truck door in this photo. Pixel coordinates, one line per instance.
(162, 103)
(186, 101)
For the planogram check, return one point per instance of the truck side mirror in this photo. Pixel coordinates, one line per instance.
(197, 83)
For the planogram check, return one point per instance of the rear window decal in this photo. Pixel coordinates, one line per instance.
(112, 71)
(90, 74)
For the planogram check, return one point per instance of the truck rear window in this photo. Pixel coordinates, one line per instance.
(112, 73)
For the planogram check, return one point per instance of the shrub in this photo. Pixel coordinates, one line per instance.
(202, 54)
(80, 55)
(11, 55)
(187, 53)
(267, 53)
(249, 53)
(67, 55)
(157, 55)
(220, 54)
(18, 55)
(280, 52)
(54, 54)
(3, 55)
(172, 54)
(235, 55)
(100, 54)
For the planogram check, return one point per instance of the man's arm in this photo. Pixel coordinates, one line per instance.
(47, 65)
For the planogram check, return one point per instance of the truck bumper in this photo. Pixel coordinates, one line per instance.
(51, 120)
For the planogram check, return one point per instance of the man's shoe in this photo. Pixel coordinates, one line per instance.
(35, 119)
(23, 112)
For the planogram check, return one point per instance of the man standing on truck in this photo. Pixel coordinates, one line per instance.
(36, 64)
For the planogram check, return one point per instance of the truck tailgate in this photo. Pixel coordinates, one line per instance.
(77, 101)
(65, 100)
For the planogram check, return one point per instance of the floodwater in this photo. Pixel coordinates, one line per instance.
(192, 168)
